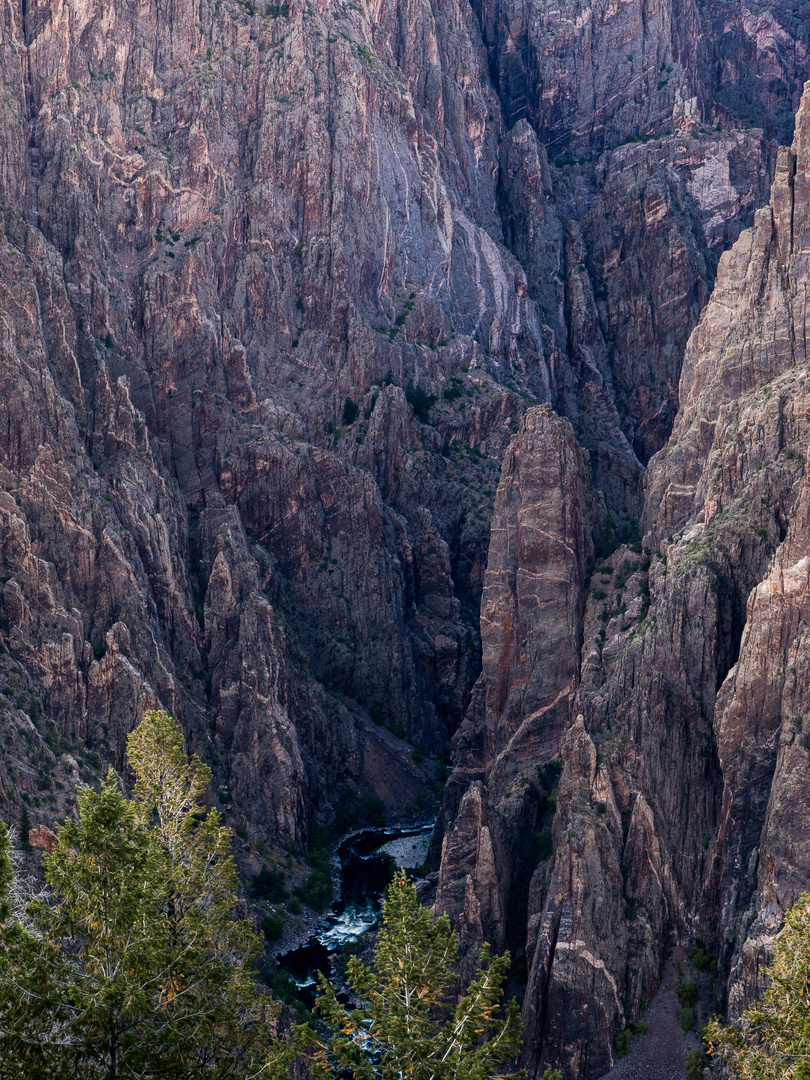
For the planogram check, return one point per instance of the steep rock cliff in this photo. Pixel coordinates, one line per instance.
(279, 283)
(531, 633)
(281, 286)
(684, 766)
(219, 225)
(659, 124)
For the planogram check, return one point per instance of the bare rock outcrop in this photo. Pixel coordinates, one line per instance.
(531, 631)
(684, 769)
(43, 838)
(282, 287)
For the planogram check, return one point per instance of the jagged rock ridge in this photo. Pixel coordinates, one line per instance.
(279, 288)
(685, 765)
(220, 222)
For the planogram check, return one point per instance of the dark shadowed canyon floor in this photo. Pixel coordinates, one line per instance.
(659, 1054)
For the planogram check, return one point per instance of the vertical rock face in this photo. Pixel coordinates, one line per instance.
(282, 287)
(623, 97)
(684, 758)
(763, 855)
(745, 421)
(278, 286)
(231, 239)
(531, 634)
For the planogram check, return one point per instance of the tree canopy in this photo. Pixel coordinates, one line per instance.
(137, 964)
(411, 1022)
(771, 1040)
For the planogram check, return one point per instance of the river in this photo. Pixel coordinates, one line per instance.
(365, 870)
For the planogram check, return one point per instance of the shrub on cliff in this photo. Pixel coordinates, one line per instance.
(268, 884)
(771, 1040)
(407, 1024)
(694, 1063)
(420, 401)
(687, 994)
(136, 963)
(24, 830)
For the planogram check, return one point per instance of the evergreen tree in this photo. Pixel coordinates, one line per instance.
(25, 829)
(72, 1000)
(6, 874)
(8, 1056)
(22, 1052)
(771, 1041)
(407, 1024)
(12, 1062)
(137, 965)
(104, 987)
(225, 1017)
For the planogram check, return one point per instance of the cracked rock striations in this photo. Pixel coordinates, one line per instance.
(282, 287)
(685, 759)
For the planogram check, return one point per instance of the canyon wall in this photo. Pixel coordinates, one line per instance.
(235, 242)
(680, 807)
(284, 289)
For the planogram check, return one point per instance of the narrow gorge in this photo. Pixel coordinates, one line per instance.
(399, 388)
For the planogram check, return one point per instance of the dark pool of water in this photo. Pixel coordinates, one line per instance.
(364, 875)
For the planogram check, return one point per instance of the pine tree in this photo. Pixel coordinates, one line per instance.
(6, 874)
(407, 1024)
(71, 992)
(107, 976)
(771, 1040)
(25, 829)
(11, 1056)
(226, 1019)
(21, 1052)
(137, 965)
